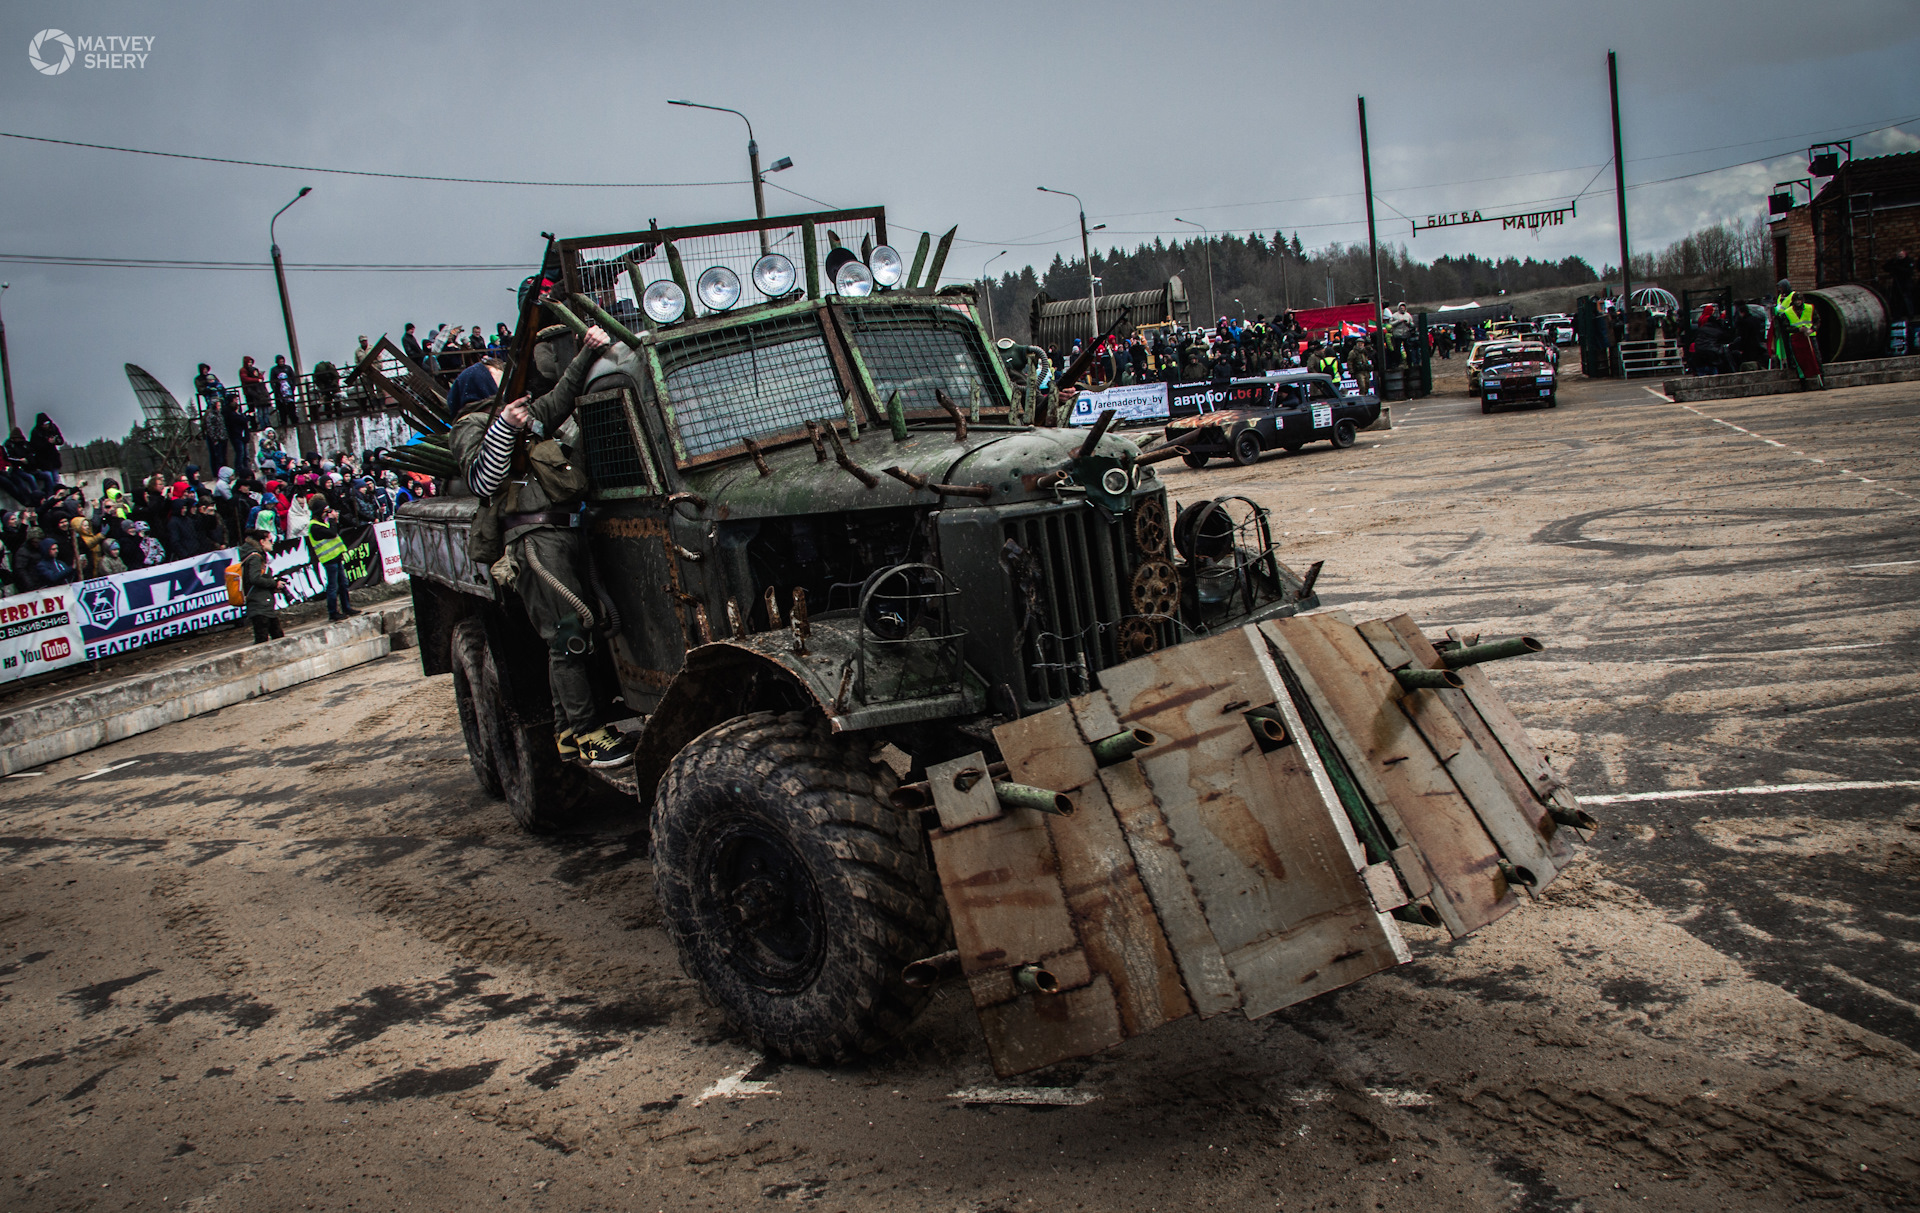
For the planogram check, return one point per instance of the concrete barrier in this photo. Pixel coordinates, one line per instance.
(37, 733)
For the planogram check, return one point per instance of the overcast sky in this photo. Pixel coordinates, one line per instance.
(1236, 115)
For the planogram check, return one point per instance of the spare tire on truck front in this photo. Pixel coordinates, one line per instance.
(793, 890)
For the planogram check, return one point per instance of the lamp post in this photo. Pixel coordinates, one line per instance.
(753, 164)
(983, 274)
(286, 309)
(1093, 309)
(1210, 299)
(6, 369)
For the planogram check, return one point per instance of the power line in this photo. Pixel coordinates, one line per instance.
(355, 172)
(156, 263)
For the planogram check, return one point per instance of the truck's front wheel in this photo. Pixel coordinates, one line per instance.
(794, 892)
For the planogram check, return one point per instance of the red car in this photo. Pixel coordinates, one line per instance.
(1521, 374)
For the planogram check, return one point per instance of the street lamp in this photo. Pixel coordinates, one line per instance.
(753, 164)
(989, 282)
(280, 277)
(6, 369)
(1093, 310)
(1210, 300)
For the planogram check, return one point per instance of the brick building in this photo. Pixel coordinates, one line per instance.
(1858, 219)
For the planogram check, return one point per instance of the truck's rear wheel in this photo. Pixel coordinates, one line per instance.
(544, 792)
(473, 688)
(793, 890)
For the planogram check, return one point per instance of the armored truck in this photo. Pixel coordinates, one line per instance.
(838, 561)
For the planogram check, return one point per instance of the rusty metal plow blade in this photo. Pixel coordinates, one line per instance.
(1250, 813)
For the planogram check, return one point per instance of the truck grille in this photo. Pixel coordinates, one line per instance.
(1069, 589)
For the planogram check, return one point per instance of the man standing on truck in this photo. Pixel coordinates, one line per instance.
(526, 531)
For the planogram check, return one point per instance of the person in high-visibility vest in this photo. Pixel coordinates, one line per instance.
(330, 552)
(1793, 344)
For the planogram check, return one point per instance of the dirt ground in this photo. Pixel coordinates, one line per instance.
(289, 956)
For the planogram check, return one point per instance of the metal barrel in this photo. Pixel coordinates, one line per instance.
(1849, 321)
(1492, 650)
(930, 971)
(1121, 746)
(1430, 680)
(1035, 980)
(1020, 796)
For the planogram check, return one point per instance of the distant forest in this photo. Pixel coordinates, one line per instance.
(1261, 275)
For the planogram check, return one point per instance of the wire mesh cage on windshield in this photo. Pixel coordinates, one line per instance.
(914, 350)
(749, 382)
(609, 435)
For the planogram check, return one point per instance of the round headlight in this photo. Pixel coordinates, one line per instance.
(885, 264)
(718, 288)
(1115, 481)
(664, 301)
(773, 275)
(853, 280)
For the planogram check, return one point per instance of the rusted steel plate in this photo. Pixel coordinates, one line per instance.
(1193, 681)
(957, 806)
(1210, 984)
(1003, 892)
(1490, 732)
(1357, 700)
(1038, 1030)
(1112, 915)
(1503, 804)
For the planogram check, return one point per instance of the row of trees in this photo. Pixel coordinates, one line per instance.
(1734, 254)
(1260, 275)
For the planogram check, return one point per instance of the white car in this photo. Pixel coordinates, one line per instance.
(1558, 326)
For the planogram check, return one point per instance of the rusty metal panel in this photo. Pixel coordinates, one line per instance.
(1529, 779)
(1502, 804)
(1027, 1033)
(1112, 916)
(1357, 700)
(957, 801)
(1003, 892)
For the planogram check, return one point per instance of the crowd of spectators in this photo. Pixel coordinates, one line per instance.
(61, 536)
(1237, 348)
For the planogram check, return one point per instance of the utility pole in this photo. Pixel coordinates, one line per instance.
(308, 441)
(1212, 313)
(1093, 307)
(1373, 250)
(1620, 184)
(983, 274)
(753, 164)
(6, 370)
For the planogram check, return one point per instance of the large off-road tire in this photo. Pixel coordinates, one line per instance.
(793, 889)
(543, 791)
(1246, 448)
(474, 686)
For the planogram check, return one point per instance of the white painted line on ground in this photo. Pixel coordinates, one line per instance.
(1867, 987)
(736, 1086)
(1884, 564)
(1058, 1097)
(104, 770)
(25, 774)
(1825, 648)
(1849, 472)
(1765, 789)
(1657, 395)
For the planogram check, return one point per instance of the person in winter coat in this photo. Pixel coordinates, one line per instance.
(142, 549)
(50, 569)
(110, 562)
(183, 531)
(44, 443)
(259, 585)
(298, 515)
(25, 557)
(88, 547)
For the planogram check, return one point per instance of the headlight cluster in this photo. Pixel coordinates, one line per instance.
(773, 275)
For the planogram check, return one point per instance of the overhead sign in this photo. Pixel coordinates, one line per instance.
(1531, 221)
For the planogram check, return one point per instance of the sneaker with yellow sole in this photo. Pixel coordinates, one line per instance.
(606, 746)
(565, 742)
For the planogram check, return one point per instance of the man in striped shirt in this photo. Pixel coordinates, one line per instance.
(544, 548)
